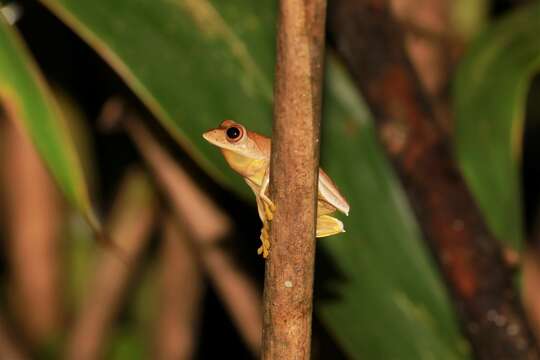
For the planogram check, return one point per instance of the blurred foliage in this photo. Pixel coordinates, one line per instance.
(193, 63)
(490, 96)
(468, 17)
(178, 86)
(28, 102)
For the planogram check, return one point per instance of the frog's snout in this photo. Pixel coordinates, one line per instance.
(205, 135)
(211, 136)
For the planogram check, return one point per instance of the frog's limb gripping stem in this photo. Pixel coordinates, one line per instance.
(266, 212)
(264, 249)
(269, 205)
(266, 215)
(269, 209)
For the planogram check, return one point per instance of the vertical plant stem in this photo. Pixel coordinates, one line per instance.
(288, 288)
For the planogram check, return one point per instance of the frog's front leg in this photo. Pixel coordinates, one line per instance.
(269, 207)
(264, 249)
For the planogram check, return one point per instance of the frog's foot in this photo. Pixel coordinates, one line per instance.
(264, 249)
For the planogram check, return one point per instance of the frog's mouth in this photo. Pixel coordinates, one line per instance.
(210, 136)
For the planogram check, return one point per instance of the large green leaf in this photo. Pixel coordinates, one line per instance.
(27, 100)
(196, 62)
(490, 93)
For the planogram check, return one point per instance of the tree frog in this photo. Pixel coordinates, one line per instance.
(248, 154)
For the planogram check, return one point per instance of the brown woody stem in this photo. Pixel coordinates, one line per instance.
(288, 288)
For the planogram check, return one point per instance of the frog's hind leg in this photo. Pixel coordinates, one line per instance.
(328, 225)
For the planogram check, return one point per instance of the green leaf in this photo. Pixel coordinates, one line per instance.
(200, 52)
(391, 303)
(490, 93)
(197, 62)
(28, 102)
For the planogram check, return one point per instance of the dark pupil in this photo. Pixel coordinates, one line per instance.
(233, 132)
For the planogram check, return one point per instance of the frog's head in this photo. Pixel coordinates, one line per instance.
(234, 137)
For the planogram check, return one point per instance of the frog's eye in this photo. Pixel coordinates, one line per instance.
(234, 133)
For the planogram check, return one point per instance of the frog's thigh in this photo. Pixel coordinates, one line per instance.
(328, 225)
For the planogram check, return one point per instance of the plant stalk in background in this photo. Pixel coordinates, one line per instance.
(371, 45)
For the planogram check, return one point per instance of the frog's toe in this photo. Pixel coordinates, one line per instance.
(269, 209)
(264, 251)
(268, 212)
(272, 206)
(265, 242)
(268, 202)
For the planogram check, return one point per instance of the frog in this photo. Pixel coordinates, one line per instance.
(248, 154)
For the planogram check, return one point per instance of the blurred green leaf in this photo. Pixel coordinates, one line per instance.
(127, 345)
(468, 17)
(79, 260)
(26, 99)
(490, 93)
(134, 337)
(197, 62)
(390, 303)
